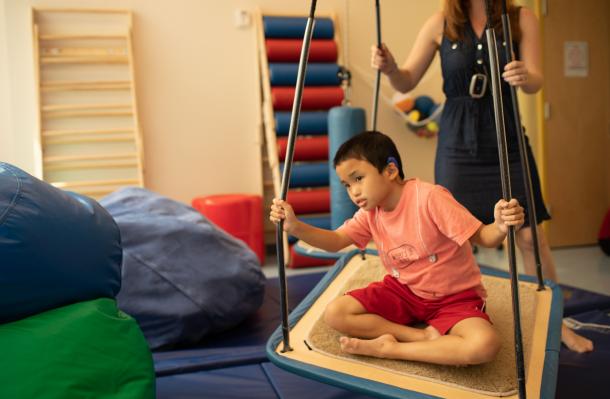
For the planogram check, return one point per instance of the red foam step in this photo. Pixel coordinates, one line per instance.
(306, 148)
(314, 97)
(289, 50)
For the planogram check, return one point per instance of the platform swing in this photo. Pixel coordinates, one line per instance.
(528, 361)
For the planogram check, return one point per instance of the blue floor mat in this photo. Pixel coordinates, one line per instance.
(290, 385)
(585, 375)
(244, 344)
(226, 383)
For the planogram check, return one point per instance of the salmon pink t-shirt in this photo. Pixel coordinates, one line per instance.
(423, 242)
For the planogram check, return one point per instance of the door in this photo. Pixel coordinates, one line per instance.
(577, 118)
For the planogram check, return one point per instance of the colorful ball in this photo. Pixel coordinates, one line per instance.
(406, 104)
(432, 127)
(424, 104)
(414, 116)
(422, 132)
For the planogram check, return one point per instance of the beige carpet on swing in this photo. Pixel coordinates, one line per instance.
(497, 378)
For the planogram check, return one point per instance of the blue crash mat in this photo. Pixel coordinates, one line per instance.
(577, 300)
(585, 375)
(291, 386)
(244, 344)
(226, 383)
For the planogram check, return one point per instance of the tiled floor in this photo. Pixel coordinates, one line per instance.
(582, 267)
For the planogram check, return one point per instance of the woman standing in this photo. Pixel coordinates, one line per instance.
(467, 153)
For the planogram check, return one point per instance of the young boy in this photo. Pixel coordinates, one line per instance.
(422, 235)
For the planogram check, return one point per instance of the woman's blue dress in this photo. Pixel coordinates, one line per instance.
(467, 161)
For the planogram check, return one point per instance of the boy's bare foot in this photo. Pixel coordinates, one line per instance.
(378, 347)
(575, 342)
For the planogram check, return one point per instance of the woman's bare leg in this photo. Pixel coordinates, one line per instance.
(573, 341)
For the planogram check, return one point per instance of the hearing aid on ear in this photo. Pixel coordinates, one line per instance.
(392, 160)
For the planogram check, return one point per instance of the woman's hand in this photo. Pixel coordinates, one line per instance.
(382, 59)
(516, 74)
(281, 210)
(508, 214)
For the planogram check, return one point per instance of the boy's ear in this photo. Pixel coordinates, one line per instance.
(392, 170)
(392, 167)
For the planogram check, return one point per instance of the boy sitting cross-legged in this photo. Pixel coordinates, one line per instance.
(423, 237)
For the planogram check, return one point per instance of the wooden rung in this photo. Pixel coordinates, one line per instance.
(83, 10)
(80, 85)
(75, 107)
(99, 157)
(57, 52)
(98, 36)
(82, 140)
(92, 165)
(61, 133)
(90, 183)
(77, 114)
(107, 59)
(59, 83)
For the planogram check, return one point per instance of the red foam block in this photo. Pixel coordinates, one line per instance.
(297, 260)
(314, 97)
(289, 50)
(306, 148)
(238, 215)
(310, 201)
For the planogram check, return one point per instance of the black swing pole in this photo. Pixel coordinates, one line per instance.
(527, 181)
(378, 77)
(292, 134)
(506, 192)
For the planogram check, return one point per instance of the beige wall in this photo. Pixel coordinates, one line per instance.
(198, 88)
(6, 135)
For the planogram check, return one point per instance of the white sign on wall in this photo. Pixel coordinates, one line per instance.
(576, 59)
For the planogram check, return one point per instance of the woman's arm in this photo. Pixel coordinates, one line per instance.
(526, 73)
(404, 79)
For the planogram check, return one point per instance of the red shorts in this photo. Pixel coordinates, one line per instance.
(394, 301)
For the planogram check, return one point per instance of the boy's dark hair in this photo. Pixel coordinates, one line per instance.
(372, 146)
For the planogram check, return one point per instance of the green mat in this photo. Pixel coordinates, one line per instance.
(85, 350)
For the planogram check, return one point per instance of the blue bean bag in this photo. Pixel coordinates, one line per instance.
(56, 248)
(183, 277)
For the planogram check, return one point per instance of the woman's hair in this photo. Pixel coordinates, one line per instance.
(456, 18)
(374, 147)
